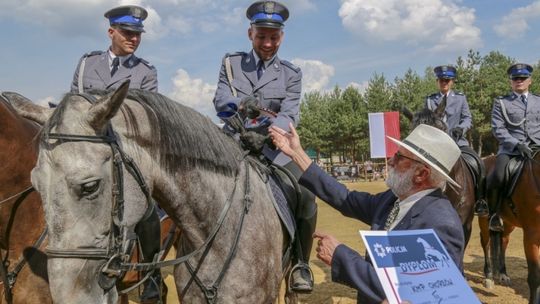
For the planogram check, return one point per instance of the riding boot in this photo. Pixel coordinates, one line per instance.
(494, 201)
(148, 231)
(481, 206)
(302, 276)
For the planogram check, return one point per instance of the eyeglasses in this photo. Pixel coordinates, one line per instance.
(519, 78)
(398, 156)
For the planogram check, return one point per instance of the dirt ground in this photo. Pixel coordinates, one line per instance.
(346, 230)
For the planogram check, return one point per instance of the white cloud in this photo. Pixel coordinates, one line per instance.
(361, 87)
(444, 25)
(315, 74)
(514, 25)
(194, 93)
(45, 101)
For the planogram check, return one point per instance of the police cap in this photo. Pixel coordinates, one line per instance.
(445, 72)
(519, 70)
(267, 14)
(127, 17)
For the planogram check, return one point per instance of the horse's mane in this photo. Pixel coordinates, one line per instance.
(181, 137)
(428, 117)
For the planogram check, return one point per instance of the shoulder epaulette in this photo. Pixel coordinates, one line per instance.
(290, 65)
(503, 96)
(432, 95)
(235, 54)
(459, 93)
(534, 94)
(94, 53)
(146, 63)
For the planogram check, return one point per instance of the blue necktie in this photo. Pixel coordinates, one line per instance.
(260, 69)
(115, 64)
(524, 99)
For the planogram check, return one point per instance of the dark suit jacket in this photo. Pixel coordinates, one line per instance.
(350, 268)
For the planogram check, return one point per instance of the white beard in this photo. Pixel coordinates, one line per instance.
(400, 183)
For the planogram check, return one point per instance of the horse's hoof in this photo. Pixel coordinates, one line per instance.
(504, 280)
(488, 283)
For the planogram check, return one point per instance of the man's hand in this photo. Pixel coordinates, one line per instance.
(457, 132)
(288, 143)
(524, 150)
(326, 245)
(249, 107)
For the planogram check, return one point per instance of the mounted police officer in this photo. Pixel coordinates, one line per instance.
(515, 122)
(458, 119)
(108, 69)
(104, 70)
(260, 79)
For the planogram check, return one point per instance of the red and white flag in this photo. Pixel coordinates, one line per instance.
(381, 125)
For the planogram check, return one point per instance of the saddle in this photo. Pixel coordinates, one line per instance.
(473, 164)
(511, 175)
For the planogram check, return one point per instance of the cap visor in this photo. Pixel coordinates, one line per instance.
(130, 28)
(267, 24)
(424, 159)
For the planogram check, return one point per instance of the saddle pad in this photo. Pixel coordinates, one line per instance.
(282, 206)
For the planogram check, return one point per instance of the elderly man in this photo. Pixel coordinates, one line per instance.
(418, 173)
(515, 123)
(259, 79)
(104, 70)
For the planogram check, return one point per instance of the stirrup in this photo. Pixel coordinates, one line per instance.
(305, 287)
(481, 207)
(495, 223)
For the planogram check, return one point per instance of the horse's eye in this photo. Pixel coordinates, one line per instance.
(89, 188)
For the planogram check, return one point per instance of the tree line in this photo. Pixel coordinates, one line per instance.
(335, 123)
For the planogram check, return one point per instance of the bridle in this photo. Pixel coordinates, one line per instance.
(121, 241)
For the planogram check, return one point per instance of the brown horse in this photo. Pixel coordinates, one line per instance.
(22, 220)
(521, 209)
(21, 215)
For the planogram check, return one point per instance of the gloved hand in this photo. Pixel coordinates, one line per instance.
(457, 132)
(253, 141)
(249, 107)
(524, 150)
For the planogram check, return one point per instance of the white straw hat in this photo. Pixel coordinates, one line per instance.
(434, 147)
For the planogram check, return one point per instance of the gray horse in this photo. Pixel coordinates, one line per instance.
(194, 171)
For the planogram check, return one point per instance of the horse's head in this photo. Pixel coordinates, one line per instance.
(77, 178)
(426, 116)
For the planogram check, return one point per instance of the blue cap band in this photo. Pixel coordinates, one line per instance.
(265, 16)
(450, 74)
(520, 72)
(126, 19)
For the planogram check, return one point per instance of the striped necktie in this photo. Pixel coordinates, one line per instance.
(392, 215)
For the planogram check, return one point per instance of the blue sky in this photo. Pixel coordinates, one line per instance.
(335, 42)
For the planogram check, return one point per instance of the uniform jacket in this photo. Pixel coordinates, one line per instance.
(509, 134)
(348, 267)
(457, 113)
(97, 73)
(278, 90)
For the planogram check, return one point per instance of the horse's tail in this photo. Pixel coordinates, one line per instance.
(496, 251)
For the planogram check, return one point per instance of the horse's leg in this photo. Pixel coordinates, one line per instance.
(484, 240)
(530, 244)
(504, 278)
(123, 299)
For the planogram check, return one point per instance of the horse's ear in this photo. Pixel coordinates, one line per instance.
(26, 108)
(407, 113)
(441, 107)
(105, 108)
